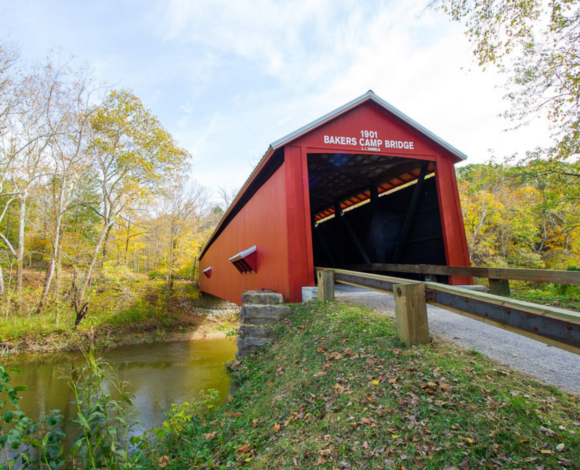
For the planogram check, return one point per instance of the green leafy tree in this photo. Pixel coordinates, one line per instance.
(537, 44)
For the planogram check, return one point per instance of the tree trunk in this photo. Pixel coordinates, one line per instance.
(80, 295)
(170, 273)
(105, 246)
(51, 267)
(127, 240)
(147, 246)
(57, 279)
(1, 282)
(20, 248)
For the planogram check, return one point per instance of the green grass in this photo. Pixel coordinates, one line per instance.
(558, 296)
(338, 391)
(138, 306)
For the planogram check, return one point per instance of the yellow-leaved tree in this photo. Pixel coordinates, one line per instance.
(134, 160)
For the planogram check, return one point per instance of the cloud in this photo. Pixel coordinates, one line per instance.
(310, 57)
(229, 77)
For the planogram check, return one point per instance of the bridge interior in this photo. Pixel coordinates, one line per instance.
(369, 208)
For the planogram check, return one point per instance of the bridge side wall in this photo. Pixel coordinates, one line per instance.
(261, 222)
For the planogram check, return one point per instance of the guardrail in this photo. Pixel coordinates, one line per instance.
(498, 277)
(553, 326)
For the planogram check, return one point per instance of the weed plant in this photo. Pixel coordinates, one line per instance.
(101, 440)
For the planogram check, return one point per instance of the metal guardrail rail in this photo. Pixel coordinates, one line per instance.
(554, 326)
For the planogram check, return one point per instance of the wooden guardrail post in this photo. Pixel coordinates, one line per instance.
(325, 285)
(499, 287)
(411, 313)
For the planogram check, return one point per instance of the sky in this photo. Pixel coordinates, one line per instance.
(227, 78)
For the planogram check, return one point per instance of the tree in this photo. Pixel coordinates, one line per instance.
(134, 159)
(515, 217)
(227, 196)
(68, 93)
(537, 44)
(8, 101)
(183, 207)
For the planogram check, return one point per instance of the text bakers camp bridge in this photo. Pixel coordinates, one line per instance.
(364, 184)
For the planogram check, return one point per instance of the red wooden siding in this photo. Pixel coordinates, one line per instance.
(277, 218)
(300, 257)
(371, 117)
(261, 222)
(454, 237)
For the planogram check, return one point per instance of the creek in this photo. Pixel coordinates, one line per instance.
(160, 374)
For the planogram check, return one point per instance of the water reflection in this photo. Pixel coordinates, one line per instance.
(160, 374)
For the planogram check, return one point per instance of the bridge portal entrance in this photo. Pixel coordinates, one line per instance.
(374, 209)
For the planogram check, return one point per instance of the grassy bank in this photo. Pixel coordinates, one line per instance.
(133, 310)
(557, 295)
(338, 391)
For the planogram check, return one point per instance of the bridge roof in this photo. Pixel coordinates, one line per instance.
(240, 201)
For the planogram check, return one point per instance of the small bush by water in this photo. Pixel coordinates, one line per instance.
(103, 424)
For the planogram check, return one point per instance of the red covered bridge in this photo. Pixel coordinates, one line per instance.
(363, 184)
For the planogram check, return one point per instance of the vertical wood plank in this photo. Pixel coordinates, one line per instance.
(499, 287)
(307, 220)
(410, 213)
(411, 313)
(300, 269)
(326, 285)
(262, 222)
(456, 250)
(377, 226)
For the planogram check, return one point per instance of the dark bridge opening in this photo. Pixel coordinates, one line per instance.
(374, 209)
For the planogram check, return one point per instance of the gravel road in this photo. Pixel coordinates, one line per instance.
(548, 364)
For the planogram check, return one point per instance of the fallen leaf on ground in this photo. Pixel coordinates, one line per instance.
(244, 449)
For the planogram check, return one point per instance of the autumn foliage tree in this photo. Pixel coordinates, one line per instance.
(91, 185)
(133, 160)
(536, 43)
(520, 217)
